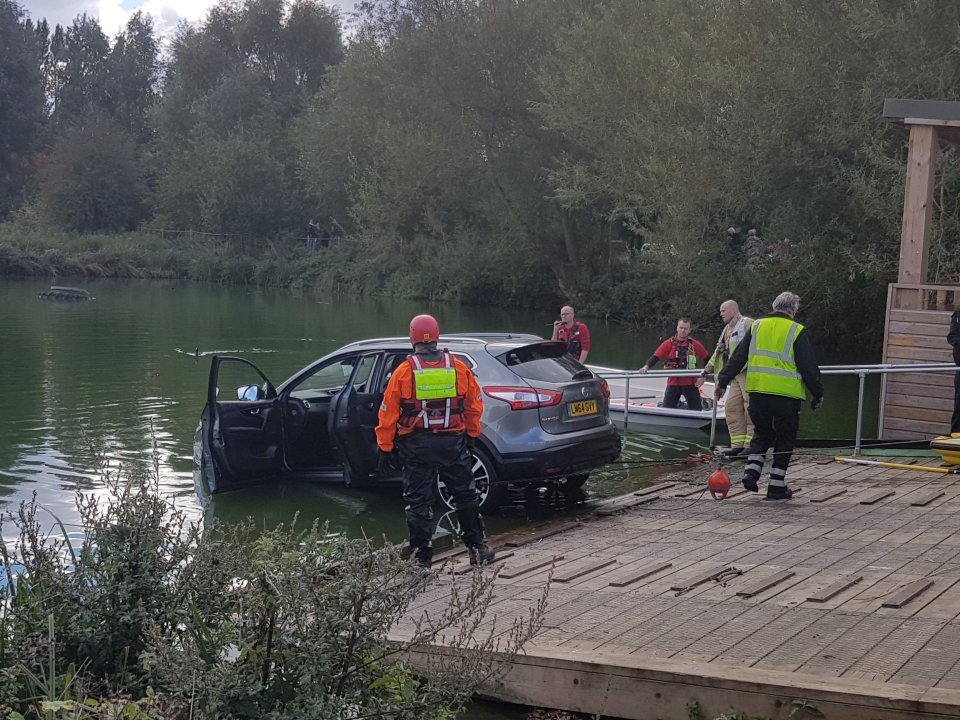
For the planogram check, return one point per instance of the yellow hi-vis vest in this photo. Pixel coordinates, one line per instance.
(435, 405)
(772, 367)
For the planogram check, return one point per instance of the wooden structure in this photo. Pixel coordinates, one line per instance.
(918, 406)
(844, 603)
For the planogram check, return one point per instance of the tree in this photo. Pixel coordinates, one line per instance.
(22, 108)
(428, 126)
(133, 69)
(233, 86)
(94, 179)
(81, 83)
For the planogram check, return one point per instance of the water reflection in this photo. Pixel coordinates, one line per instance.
(378, 513)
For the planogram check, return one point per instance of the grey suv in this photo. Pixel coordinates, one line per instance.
(545, 417)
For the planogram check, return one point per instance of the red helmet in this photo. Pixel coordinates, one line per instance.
(424, 329)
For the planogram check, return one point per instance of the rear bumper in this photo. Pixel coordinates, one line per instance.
(582, 455)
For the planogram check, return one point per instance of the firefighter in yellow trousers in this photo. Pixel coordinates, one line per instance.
(737, 406)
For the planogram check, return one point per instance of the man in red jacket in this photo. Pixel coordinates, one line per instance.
(680, 352)
(428, 421)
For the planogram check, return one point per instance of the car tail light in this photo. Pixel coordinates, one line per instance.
(605, 388)
(523, 398)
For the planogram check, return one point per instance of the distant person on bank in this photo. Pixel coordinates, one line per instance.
(573, 332)
(737, 406)
(680, 352)
(780, 362)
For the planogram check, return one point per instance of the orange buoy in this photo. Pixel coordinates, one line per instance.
(719, 484)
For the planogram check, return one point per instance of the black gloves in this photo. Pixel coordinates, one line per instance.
(471, 443)
(388, 462)
(816, 403)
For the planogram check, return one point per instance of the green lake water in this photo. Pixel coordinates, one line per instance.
(122, 379)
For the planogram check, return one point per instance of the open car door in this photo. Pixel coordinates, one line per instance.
(242, 432)
(353, 419)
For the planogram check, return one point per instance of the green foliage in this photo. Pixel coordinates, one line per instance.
(22, 109)
(532, 152)
(233, 86)
(146, 615)
(94, 180)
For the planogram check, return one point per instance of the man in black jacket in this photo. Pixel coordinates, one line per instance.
(953, 337)
(780, 366)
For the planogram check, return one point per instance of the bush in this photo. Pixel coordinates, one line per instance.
(153, 615)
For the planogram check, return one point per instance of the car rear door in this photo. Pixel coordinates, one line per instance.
(353, 418)
(572, 397)
(244, 437)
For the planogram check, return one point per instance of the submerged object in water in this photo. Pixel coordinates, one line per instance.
(62, 292)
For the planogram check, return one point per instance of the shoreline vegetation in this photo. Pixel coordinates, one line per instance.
(147, 616)
(641, 161)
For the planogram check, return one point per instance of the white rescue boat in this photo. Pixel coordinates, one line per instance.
(645, 409)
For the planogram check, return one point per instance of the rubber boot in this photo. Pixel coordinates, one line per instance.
(482, 554)
(424, 557)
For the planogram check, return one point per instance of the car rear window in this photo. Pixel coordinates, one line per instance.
(547, 362)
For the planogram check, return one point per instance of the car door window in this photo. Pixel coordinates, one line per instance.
(329, 378)
(393, 362)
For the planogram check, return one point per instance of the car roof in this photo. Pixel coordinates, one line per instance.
(454, 340)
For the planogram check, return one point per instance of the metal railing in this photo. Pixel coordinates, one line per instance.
(861, 371)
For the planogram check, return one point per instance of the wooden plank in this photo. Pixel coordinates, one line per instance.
(910, 412)
(538, 536)
(928, 498)
(942, 378)
(641, 574)
(896, 353)
(765, 584)
(930, 385)
(615, 507)
(918, 401)
(911, 429)
(512, 571)
(834, 589)
(654, 488)
(916, 341)
(702, 578)
(938, 330)
(908, 593)
(579, 570)
(917, 204)
(463, 567)
(931, 317)
(691, 491)
(877, 497)
(829, 495)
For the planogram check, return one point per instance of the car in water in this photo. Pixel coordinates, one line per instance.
(545, 419)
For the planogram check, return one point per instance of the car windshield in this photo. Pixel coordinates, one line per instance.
(547, 362)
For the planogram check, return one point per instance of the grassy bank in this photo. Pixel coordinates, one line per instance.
(145, 254)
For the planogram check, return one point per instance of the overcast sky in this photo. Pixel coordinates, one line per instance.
(113, 14)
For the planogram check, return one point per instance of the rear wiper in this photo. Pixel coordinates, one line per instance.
(582, 374)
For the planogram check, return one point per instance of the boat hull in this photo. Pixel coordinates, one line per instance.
(947, 448)
(645, 408)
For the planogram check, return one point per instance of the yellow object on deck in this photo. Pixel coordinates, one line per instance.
(900, 466)
(947, 447)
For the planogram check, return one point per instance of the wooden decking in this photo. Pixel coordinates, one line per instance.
(848, 601)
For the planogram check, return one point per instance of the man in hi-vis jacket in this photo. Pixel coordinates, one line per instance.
(780, 368)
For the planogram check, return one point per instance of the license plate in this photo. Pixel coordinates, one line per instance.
(584, 407)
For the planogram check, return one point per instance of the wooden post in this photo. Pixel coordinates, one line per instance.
(918, 204)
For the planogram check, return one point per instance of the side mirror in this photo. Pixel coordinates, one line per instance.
(250, 393)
